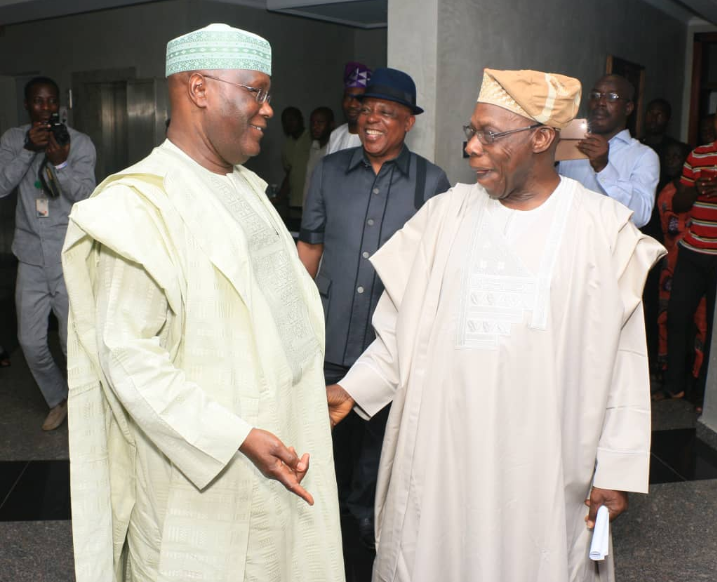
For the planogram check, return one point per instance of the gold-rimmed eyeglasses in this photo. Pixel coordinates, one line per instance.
(488, 137)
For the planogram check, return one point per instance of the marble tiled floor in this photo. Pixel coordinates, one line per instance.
(667, 536)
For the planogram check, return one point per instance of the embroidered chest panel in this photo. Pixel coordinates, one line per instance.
(497, 288)
(275, 276)
(496, 291)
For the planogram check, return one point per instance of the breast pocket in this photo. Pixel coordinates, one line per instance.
(323, 283)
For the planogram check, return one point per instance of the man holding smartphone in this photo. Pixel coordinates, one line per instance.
(50, 177)
(695, 272)
(617, 165)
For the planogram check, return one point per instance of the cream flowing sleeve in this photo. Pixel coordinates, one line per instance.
(623, 455)
(196, 433)
(373, 379)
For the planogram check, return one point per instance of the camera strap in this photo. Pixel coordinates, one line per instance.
(48, 180)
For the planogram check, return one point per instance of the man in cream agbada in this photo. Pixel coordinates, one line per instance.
(195, 352)
(511, 341)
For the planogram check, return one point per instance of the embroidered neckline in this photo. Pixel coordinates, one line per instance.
(497, 288)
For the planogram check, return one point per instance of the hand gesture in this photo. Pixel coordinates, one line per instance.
(596, 148)
(340, 403)
(276, 461)
(55, 153)
(615, 501)
(38, 137)
(706, 185)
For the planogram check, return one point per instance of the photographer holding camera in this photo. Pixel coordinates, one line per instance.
(52, 167)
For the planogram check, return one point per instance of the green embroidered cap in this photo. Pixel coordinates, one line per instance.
(218, 46)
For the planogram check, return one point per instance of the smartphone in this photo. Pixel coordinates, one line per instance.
(576, 129)
(567, 149)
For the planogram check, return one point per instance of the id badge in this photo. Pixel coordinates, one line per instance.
(42, 207)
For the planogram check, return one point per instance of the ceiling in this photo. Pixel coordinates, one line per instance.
(361, 13)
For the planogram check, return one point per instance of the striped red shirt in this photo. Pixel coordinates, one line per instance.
(702, 230)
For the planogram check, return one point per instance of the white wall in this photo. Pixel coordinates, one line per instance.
(308, 55)
(413, 45)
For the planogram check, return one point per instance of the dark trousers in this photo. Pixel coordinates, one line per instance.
(695, 276)
(651, 305)
(651, 292)
(357, 451)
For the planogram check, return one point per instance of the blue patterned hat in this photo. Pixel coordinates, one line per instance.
(218, 46)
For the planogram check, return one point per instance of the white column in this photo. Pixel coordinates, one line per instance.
(413, 48)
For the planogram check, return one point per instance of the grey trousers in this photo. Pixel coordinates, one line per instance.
(39, 290)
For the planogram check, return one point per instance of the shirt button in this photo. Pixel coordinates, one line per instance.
(376, 190)
(370, 222)
(365, 255)
(360, 289)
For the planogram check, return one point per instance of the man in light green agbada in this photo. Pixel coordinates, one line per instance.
(195, 352)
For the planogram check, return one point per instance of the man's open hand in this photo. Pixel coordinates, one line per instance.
(340, 403)
(277, 461)
(615, 501)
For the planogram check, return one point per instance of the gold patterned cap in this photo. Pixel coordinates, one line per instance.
(547, 98)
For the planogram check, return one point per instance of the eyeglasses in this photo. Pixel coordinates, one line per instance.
(488, 137)
(609, 97)
(260, 95)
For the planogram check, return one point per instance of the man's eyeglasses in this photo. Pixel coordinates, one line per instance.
(488, 137)
(609, 97)
(260, 95)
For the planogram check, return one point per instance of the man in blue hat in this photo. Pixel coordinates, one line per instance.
(357, 199)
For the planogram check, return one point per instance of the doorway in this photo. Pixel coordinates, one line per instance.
(703, 99)
(123, 116)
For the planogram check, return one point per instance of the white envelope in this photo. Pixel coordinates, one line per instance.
(601, 535)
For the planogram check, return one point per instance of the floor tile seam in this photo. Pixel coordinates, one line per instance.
(674, 471)
(19, 521)
(671, 469)
(12, 488)
(685, 484)
(32, 460)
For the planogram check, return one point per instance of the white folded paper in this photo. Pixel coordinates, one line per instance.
(601, 535)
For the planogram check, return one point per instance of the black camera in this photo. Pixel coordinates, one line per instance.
(59, 130)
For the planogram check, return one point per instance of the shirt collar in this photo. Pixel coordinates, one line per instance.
(623, 136)
(402, 161)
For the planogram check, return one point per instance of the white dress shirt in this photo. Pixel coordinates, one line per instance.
(630, 177)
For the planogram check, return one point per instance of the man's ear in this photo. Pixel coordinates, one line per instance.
(197, 90)
(629, 108)
(543, 138)
(410, 120)
(25, 105)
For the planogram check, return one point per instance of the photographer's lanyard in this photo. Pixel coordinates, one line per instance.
(42, 204)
